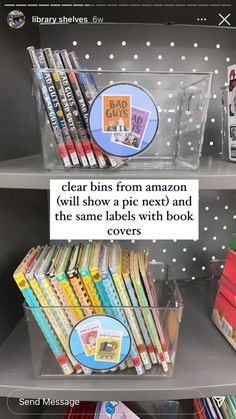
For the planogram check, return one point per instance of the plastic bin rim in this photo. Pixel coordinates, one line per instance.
(88, 70)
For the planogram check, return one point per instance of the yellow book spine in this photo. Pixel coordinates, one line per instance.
(91, 290)
(81, 293)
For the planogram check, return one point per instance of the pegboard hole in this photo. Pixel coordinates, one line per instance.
(216, 218)
(147, 69)
(195, 44)
(123, 43)
(218, 46)
(87, 56)
(211, 143)
(172, 44)
(159, 83)
(214, 96)
(74, 43)
(226, 207)
(223, 247)
(214, 238)
(204, 248)
(173, 260)
(227, 59)
(135, 56)
(123, 69)
(225, 227)
(216, 71)
(164, 251)
(184, 269)
(183, 58)
(194, 259)
(207, 208)
(171, 70)
(213, 120)
(203, 268)
(99, 43)
(206, 58)
(213, 257)
(148, 43)
(159, 57)
(111, 56)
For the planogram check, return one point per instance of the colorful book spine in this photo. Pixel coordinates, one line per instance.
(147, 313)
(83, 111)
(69, 298)
(140, 318)
(119, 313)
(49, 313)
(149, 288)
(73, 107)
(124, 298)
(54, 312)
(101, 290)
(80, 292)
(54, 302)
(37, 312)
(91, 290)
(57, 107)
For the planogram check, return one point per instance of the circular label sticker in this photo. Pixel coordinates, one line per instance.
(123, 119)
(100, 342)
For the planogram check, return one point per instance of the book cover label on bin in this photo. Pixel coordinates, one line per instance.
(123, 119)
(100, 342)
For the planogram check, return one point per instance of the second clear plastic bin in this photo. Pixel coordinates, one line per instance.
(168, 309)
(182, 100)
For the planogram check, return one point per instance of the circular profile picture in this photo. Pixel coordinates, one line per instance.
(16, 19)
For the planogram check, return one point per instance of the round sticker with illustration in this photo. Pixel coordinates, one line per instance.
(100, 342)
(123, 119)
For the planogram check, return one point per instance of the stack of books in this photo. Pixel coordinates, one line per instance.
(63, 285)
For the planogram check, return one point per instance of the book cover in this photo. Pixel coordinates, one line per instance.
(139, 122)
(116, 115)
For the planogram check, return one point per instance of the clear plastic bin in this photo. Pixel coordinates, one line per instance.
(182, 100)
(168, 310)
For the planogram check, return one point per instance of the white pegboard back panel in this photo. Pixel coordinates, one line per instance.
(134, 47)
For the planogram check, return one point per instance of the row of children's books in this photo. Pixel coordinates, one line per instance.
(64, 284)
(100, 410)
(67, 91)
(215, 408)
